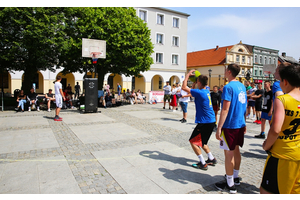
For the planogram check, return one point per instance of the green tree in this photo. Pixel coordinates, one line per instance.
(31, 40)
(128, 43)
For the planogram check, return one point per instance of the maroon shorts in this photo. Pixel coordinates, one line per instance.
(216, 108)
(232, 138)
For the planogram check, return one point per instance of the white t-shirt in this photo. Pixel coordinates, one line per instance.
(184, 99)
(178, 88)
(57, 87)
(174, 90)
(250, 92)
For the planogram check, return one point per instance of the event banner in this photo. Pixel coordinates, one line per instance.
(157, 96)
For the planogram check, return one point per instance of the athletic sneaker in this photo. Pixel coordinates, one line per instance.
(57, 119)
(49, 110)
(29, 109)
(223, 185)
(163, 107)
(258, 122)
(183, 121)
(199, 165)
(255, 121)
(211, 162)
(235, 180)
(176, 108)
(17, 108)
(248, 116)
(260, 136)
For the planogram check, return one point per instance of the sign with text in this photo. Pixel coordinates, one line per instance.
(157, 96)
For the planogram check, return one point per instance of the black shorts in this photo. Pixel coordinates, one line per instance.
(201, 134)
(258, 105)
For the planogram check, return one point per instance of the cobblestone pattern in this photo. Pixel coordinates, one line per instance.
(93, 178)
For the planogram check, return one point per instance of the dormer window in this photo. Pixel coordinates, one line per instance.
(240, 50)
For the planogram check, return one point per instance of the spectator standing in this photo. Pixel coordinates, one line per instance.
(174, 98)
(183, 101)
(216, 101)
(77, 90)
(267, 109)
(282, 168)
(21, 99)
(258, 97)
(178, 94)
(167, 94)
(205, 120)
(251, 102)
(49, 97)
(119, 89)
(32, 99)
(59, 97)
(232, 127)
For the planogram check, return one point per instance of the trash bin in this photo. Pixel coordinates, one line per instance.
(16, 92)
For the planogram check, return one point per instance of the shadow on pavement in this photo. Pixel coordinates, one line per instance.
(263, 154)
(169, 119)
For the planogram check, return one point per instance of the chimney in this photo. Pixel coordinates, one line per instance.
(283, 54)
(217, 47)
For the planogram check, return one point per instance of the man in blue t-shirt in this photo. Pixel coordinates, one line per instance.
(205, 119)
(232, 127)
(277, 91)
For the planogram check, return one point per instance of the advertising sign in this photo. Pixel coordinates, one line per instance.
(157, 96)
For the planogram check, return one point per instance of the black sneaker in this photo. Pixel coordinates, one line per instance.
(223, 185)
(235, 180)
(176, 108)
(169, 108)
(211, 162)
(199, 165)
(16, 109)
(183, 121)
(263, 136)
(163, 107)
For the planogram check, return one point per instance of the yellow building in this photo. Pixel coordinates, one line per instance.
(212, 62)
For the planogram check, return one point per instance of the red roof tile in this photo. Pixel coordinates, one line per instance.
(207, 57)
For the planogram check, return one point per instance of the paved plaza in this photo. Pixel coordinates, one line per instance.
(131, 149)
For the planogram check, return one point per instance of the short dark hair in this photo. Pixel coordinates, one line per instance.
(215, 86)
(58, 77)
(50, 89)
(203, 80)
(234, 69)
(291, 73)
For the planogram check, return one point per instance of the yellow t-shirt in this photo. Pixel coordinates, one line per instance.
(287, 145)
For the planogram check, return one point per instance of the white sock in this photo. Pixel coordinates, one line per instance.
(235, 173)
(210, 156)
(230, 180)
(201, 159)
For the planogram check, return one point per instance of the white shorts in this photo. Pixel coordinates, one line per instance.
(58, 101)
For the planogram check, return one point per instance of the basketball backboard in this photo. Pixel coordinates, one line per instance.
(93, 48)
(269, 68)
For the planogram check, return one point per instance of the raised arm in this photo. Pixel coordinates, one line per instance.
(184, 84)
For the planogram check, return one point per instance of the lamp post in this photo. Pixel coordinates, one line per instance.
(219, 79)
(209, 72)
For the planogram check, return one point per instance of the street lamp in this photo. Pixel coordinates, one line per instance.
(219, 79)
(209, 72)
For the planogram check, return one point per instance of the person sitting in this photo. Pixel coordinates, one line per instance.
(140, 96)
(21, 99)
(68, 99)
(128, 96)
(133, 97)
(32, 100)
(108, 100)
(49, 97)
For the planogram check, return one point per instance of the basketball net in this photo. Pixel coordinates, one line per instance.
(95, 56)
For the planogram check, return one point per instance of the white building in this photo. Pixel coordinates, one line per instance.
(169, 36)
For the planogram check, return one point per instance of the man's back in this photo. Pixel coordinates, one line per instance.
(57, 87)
(235, 92)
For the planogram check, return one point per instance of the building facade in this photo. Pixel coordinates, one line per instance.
(263, 56)
(169, 36)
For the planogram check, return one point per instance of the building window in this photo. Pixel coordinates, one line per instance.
(274, 61)
(249, 60)
(270, 61)
(260, 60)
(255, 59)
(159, 38)
(175, 41)
(266, 60)
(175, 59)
(255, 72)
(237, 58)
(242, 70)
(240, 50)
(176, 22)
(260, 73)
(159, 58)
(243, 59)
(159, 83)
(143, 15)
(160, 19)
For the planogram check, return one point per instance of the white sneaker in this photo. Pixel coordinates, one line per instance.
(29, 109)
(49, 110)
(254, 118)
(248, 116)
(174, 110)
(38, 109)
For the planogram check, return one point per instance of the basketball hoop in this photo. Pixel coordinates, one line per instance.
(95, 56)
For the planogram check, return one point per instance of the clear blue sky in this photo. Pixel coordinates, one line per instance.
(271, 27)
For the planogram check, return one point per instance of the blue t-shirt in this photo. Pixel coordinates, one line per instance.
(276, 87)
(235, 92)
(204, 109)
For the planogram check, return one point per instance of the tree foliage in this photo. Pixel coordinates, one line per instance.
(31, 40)
(128, 43)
